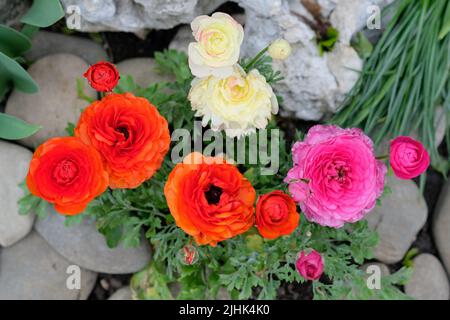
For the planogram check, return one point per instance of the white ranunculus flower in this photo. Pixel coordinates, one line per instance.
(238, 104)
(217, 47)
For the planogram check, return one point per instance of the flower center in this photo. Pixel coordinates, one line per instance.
(123, 131)
(65, 172)
(338, 171)
(213, 194)
(215, 43)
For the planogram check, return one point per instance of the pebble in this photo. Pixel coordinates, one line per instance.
(85, 246)
(398, 220)
(57, 101)
(14, 162)
(32, 270)
(429, 280)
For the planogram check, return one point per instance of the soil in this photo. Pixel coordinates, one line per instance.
(121, 46)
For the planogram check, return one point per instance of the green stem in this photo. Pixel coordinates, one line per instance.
(255, 59)
(384, 157)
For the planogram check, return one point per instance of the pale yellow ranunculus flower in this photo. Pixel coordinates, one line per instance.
(217, 47)
(238, 104)
(280, 49)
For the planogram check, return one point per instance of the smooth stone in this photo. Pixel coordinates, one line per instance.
(441, 225)
(429, 280)
(57, 101)
(123, 293)
(32, 270)
(14, 162)
(400, 217)
(45, 43)
(86, 247)
(143, 71)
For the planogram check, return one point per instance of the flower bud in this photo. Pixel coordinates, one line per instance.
(280, 49)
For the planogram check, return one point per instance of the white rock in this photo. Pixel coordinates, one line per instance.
(123, 293)
(32, 270)
(441, 225)
(57, 102)
(398, 220)
(313, 85)
(14, 162)
(429, 280)
(142, 70)
(86, 247)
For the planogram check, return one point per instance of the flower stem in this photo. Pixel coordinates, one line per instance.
(384, 157)
(253, 62)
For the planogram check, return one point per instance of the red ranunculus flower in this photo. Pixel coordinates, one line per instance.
(129, 133)
(67, 173)
(408, 158)
(102, 76)
(276, 215)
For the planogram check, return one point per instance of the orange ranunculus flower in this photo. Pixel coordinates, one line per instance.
(276, 215)
(67, 173)
(210, 199)
(129, 133)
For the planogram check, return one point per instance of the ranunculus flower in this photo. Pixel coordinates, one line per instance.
(310, 266)
(238, 104)
(102, 76)
(408, 158)
(336, 177)
(276, 215)
(218, 45)
(67, 173)
(129, 133)
(210, 199)
(280, 49)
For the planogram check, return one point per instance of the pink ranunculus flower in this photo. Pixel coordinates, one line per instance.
(336, 178)
(408, 158)
(310, 266)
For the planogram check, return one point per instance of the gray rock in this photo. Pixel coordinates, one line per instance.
(86, 247)
(137, 15)
(429, 280)
(441, 225)
(14, 162)
(32, 270)
(57, 102)
(12, 10)
(142, 70)
(182, 39)
(123, 293)
(45, 43)
(398, 220)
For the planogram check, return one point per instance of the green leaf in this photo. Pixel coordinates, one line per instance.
(43, 13)
(13, 43)
(362, 45)
(13, 73)
(446, 24)
(12, 128)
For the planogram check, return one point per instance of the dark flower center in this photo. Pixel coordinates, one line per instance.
(213, 194)
(123, 131)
